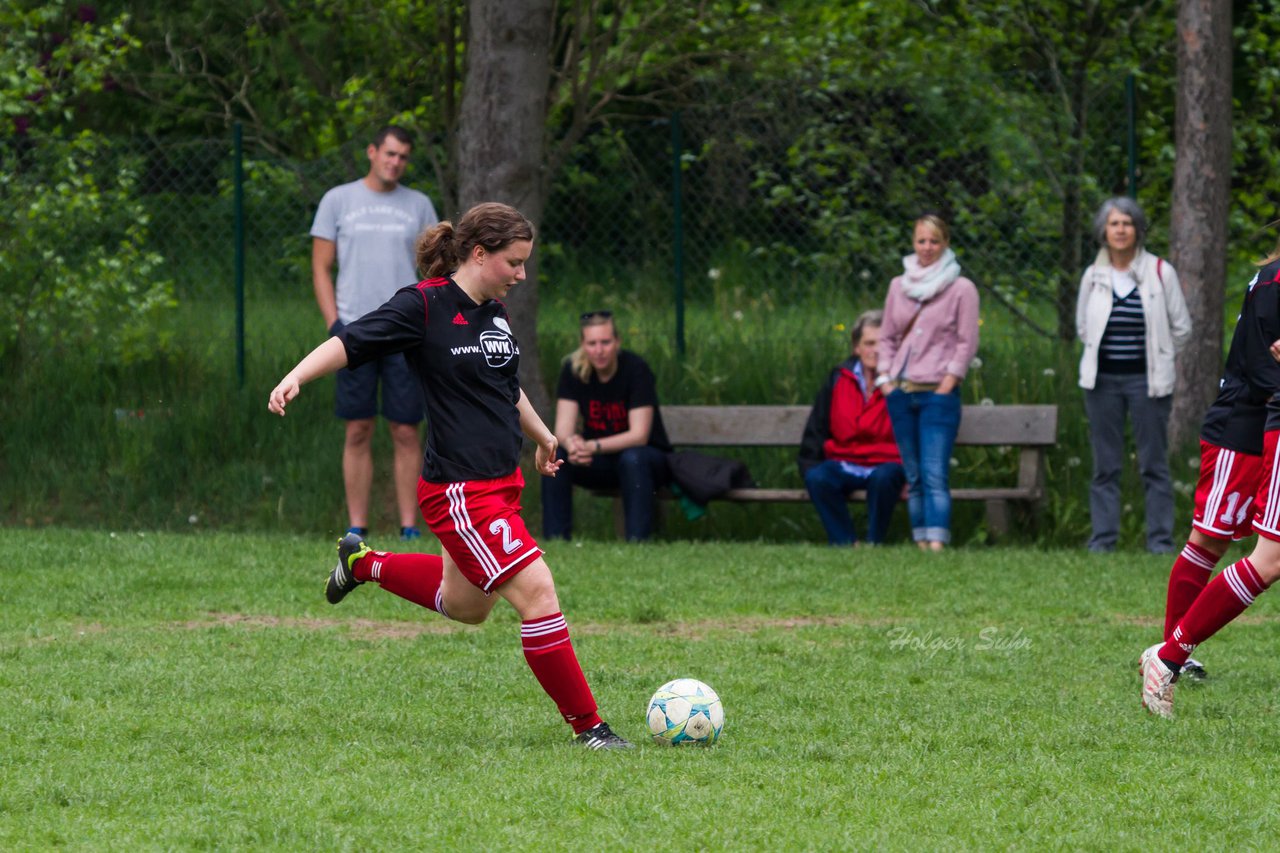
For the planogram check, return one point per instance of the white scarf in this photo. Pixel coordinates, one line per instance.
(924, 283)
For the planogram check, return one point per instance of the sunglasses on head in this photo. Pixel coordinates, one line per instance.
(596, 315)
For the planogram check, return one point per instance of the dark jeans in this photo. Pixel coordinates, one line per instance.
(637, 472)
(829, 486)
(925, 426)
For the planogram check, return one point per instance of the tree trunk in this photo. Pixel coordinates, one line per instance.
(1071, 261)
(1201, 187)
(502, 137)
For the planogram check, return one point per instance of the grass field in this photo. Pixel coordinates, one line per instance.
(195, 691)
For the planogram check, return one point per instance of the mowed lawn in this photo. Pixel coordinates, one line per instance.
(196, 691)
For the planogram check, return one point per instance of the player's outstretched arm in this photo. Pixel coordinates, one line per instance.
(321, 361)
(544, 459)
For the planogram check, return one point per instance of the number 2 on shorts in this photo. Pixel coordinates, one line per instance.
(509, 545)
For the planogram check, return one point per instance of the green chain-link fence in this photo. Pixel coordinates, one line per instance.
(804, 192)
(796, 191)
(798, 202)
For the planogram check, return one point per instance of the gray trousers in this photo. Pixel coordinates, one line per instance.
(1114, 396)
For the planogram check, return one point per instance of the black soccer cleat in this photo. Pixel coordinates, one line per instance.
(1193, 670)
(343, 577)
(600, 736)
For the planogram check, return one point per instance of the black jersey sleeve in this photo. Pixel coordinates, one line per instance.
(398, 325)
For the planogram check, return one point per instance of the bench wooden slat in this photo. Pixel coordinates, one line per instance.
(1031, 429)
(801, 496)
(1024, 426)
(735, 426)
(783, 426)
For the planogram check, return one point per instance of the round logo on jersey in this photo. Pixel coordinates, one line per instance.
(498, 348)
(502, 324)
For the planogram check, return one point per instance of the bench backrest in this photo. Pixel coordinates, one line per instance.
(782, 426)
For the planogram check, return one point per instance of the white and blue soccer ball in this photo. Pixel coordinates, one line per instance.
(685, 712)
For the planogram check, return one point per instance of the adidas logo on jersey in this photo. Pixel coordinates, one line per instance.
(459, 320)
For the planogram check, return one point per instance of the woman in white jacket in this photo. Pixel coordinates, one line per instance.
(1132, 318)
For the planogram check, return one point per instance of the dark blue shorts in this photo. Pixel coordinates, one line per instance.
(356, 397)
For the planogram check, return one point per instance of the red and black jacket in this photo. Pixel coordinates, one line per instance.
(847, 426)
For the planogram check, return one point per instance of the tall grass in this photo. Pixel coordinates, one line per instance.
(174, 443)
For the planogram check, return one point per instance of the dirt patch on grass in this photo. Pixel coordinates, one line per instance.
(697, 628)
(686, 629)
(366, 628)
(692, 629)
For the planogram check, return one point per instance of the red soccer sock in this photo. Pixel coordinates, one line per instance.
(1190, 572)
(1225, 598)
(550, 655)
(413, 577)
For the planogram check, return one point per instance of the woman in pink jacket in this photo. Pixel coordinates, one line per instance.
(929, 336)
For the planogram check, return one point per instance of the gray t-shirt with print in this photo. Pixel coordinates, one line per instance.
(375, 234)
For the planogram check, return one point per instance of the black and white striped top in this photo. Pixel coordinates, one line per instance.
(1124, 343)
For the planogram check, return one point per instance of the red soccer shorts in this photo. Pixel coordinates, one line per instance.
(1225, 493)
(1266, 511)
(478, 523)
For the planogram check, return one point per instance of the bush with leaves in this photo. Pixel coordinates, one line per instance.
(75, 271)
(94, 288)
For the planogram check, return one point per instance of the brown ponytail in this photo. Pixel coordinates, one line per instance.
(442, 248)
(436, 253)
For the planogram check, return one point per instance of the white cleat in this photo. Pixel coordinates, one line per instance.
(1148, 653)
(1157, 686)
(1192, 670)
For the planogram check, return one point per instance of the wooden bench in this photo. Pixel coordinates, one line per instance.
(1030, 429)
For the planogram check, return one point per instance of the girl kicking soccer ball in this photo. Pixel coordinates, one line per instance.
(456, 336)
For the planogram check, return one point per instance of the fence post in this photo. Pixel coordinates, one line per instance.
(1131, 118)
(677, 237)
(239, 249)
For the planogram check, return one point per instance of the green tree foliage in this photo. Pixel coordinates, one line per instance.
(305, 77)
(1256, 115)
(1004, 119)
(821, 128)
(75, 270)
(52, 58)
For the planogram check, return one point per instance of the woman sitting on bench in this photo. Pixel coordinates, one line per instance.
(610, 431)
(848, 443)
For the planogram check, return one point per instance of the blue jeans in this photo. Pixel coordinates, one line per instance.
(829, 485)
(637, 472)
(925, 426)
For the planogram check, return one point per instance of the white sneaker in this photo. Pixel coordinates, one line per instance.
(1157, 686)
(1192, 670)
(1148, 652)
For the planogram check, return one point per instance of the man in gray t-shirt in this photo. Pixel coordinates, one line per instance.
(370, 227)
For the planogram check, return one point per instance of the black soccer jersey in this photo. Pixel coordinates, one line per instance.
(1251, 376)
(466, 358)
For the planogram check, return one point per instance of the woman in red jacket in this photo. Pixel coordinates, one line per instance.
(848, 443)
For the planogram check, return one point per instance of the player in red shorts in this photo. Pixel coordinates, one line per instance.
(456, 336)
(1223, 514)
(1231, 497)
